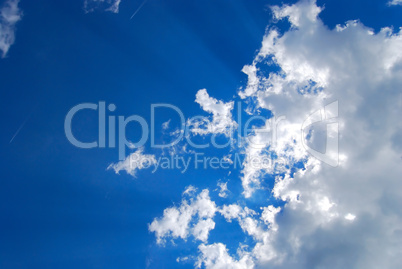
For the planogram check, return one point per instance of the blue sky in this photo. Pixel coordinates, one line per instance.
(62, 208)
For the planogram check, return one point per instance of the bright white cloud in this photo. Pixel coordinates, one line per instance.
(350, 217)
(10, 14)
(335, 217)
(134, 162)
(222, 122)
(268, 216)
(262, 229)
(202, 228)
(107, 5)
(362, 71)
(216, 256)
(192, 217)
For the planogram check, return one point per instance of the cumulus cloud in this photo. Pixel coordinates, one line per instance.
(216, 256)
(134, 162)
(107, 5)
(347, 216)
(361, 70)
(192, 217)
(10, 14)
(221, 123)
(261, 229)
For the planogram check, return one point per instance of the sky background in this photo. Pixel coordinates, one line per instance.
(60, 206)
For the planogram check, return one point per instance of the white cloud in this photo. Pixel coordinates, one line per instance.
(234, 211)
(178, 222)
(268, 216)
(165, 125)
(261, 229)
(107, 5)
(202, 228)
(134, 162)
(350, 217)
(335, 217)
(395, 2)
(223, 189)
(10, 14)
(363, 72)
(190, 190)
(221, 123)
(216, 256)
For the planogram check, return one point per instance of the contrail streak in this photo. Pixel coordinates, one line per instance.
(23, 123)
(20, 128)
(138, 9)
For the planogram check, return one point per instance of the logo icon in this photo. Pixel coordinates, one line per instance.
(326, 115)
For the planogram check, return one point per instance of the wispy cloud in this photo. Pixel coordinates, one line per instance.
(165, 125)
(134, 162)
(395, 3)
(10, 14)
(106, 5)
(223, 189)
